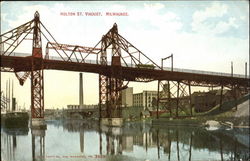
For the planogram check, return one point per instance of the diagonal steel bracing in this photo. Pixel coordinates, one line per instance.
(123, 53)
(110, 86)
(174, 96)
(37, 83)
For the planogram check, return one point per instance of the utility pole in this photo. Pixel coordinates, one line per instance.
(246, 69)
(171, 56)
(1, 46)
(172, 62)
(231, 68)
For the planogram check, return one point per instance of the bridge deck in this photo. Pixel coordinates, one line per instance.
(22, 62)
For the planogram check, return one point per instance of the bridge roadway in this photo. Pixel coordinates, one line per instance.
(22, 62)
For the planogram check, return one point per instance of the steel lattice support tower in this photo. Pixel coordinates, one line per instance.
(103, 82)
(174, 95)
(110, 86)
(164, 97)
(116, 75)
(37, 83)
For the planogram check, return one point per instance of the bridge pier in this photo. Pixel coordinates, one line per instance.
(38, 128)
(38, 144)
(38, 123)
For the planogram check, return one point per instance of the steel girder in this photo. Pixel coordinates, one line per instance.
(173, 95)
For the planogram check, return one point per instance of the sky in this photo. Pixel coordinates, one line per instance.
(202, 35)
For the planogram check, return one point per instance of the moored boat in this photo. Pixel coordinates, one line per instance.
(15, 119)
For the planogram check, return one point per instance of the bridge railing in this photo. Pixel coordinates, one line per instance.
(18, 54)
(205, 72)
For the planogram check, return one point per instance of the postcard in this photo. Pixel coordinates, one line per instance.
(124, 80)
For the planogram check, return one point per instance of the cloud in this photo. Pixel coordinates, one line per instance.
(28, 14)
(153, 7)
(202, 20)
(223, 26)
(215, 10)
(243, 18)
(156, 16)
(3, 16)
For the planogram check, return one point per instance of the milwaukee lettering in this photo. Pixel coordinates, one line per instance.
(116, 13)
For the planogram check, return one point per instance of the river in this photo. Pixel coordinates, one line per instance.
(76, 140)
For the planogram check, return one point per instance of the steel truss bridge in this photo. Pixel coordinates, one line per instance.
(116, 61)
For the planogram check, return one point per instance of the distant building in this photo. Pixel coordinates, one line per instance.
(127, 97)
(144, 99)
(81, 107)
(73, 107)
(204, 101)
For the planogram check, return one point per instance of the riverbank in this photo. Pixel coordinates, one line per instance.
(229, 116)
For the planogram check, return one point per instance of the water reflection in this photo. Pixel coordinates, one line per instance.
(82, 140)
(9, 141)
(38, 144)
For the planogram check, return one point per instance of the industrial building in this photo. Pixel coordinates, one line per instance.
(204, 101)
(144, 99)
(127, 97)
(81, 107)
